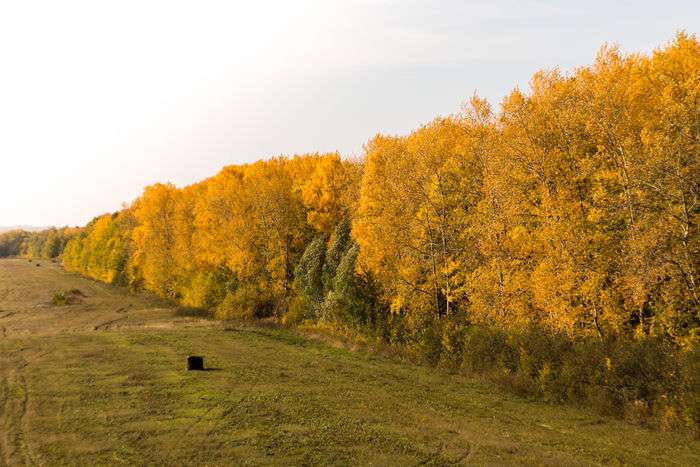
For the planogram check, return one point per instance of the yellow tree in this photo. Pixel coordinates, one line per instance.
(416, 199)
(152, 264)
(251, 220)
(330, 193)
(666, 236)
(101, 249)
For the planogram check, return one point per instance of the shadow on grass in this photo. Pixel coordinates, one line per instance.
(193, 312)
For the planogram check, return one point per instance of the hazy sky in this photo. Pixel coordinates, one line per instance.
(99, 99)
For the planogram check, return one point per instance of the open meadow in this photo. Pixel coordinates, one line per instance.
(102, 380)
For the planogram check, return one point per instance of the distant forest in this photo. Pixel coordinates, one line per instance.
(48, 243)
(552, 244)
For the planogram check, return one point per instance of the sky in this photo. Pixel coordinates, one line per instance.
(99, 99)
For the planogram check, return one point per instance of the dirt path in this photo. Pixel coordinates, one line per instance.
(14, 425)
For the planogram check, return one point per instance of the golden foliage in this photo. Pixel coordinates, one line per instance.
(574, 208)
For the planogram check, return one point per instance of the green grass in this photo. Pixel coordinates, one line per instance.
(119, 394)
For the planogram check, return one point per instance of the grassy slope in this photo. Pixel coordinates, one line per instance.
(102, 382)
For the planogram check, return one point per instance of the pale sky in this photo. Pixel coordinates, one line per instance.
(99, 99)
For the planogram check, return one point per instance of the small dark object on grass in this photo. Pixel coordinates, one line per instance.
(38, 264)
(195, 363)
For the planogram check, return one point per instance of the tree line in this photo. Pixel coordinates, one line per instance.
(552, 243)
(48, 243)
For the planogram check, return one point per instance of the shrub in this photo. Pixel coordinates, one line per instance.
(427, 342)
(59, 299)
(205, 289)
(247, 301)
(687, 397)
(486, 349)
(299, 310)
(69, 297)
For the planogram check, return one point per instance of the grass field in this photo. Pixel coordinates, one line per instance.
(102, 381)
